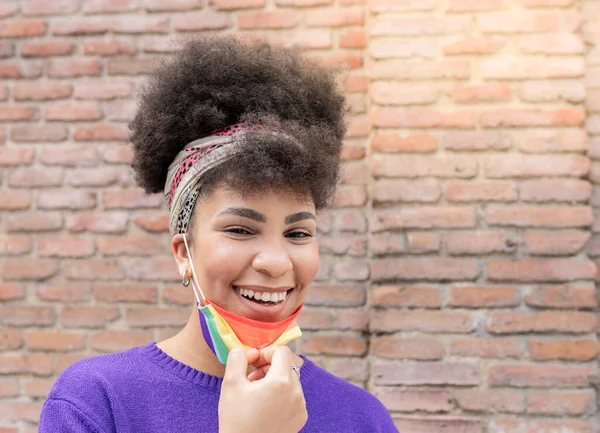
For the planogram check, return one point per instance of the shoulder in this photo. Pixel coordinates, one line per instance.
(353, 402)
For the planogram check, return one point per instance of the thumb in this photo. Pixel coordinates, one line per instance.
(237, 364)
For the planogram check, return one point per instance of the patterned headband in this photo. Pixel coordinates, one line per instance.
(184, 178)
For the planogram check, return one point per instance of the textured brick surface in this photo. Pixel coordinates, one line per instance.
(458, 264)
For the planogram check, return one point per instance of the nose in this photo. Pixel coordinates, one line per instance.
(273, 261)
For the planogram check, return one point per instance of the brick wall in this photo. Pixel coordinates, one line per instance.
(455, 280)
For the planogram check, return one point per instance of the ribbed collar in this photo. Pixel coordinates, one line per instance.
(209, 381)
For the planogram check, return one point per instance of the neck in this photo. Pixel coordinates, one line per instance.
(188, 346)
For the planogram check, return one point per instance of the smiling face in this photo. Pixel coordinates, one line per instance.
(253, 256)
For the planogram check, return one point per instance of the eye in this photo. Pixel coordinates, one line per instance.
(238, 230)
(299, 234)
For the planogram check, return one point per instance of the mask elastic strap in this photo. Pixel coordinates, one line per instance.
(195, 285)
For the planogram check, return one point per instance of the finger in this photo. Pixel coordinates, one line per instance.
(281, 362)
(237, 364)
(259, 373)
(264, 356)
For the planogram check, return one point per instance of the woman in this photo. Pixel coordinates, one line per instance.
(244, 139)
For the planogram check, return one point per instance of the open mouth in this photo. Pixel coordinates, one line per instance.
(263, 298)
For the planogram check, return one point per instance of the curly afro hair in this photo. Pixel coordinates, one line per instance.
(218, 81)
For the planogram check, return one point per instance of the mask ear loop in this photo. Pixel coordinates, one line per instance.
(195, 285)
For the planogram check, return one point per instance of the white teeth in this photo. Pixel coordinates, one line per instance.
(250, 294)
(265, 297)
(258, 296)
(274, 297)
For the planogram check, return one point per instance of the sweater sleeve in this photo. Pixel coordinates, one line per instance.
(63, 416)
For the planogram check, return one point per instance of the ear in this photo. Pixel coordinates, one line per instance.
(181, 256)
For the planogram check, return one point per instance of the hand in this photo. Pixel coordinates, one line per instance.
(273, 402)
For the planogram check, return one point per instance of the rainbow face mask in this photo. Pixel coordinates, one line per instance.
(224, 331)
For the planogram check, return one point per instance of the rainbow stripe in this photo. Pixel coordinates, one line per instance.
(221, 337)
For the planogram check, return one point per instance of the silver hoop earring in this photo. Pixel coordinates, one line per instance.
(185, 281)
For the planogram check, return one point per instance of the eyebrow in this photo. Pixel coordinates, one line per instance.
(258, 217)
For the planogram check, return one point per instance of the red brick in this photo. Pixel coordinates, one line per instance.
(159, 44)
(492, 92)
(424, 191)
(532, 117)
(28, 269)
(576, 295)
(406, 296)
(14, 245)
(426, 373)
(55, 340)
(106, 222)
(63, 292)
(547, 91)
(397, 399)
(173, 5)
(339, 344)
(8, 9)
(353, 39)
(33, 222)
(407, 348)
(238, 4)
(129, 293)
(539, 216)
(405, 69)
(117, 154)
(340, 296)
(125, 66)
(529, 22)
(109, 47)
(101, 132)
(423, 118)
(542, 376)
(92, 269)
(532, 68)
(15, 156)
(486, 348)
(26, 315)
(334, 17)
(541, 270)
(129, 246)
(9, 388)
(136, 24)
(22, 69)
(115, 341)
(207, 20)
(38, 133)
(350, 220)
(341, 246)
(476, 6)
(23, 28)
(475, 141)
(38, 388)
(303, 3)
(561, 403)
(341, 60)
(130, 199)
(546, 3)
(109, 6)
(17, 410)
(80, 26)
(73, 111)
(555, 190)
(64, 246)
(422, 320)
(424, 269)
(402, 5)
(480, 242)
(34, 363)
(65, 360)
(10, 339)
(473, 46)
(66, 199)
(14, 200)
(17, 113)
(414, 143)
(424, 166)
(563, 43)
(72, 68)
(389, 24)
(152, 269)
(474, 191)
(564, 350)
(424, 217)
(570, 322)
(88, 317)
(183, 295)
(69, 156)
(96, 176)
(438, 423)
(555, 243)
(419, 243)
(103, 90)
(268, 20)
(42, 7)
(11, 291)
(42, 91)
(490, 401)
(350, 196)
(484, 296)
(147, 317)
(505, 425)
(393, 93)
(517, 166)
(151, 223)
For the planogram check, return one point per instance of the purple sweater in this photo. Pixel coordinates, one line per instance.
(145, 390)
